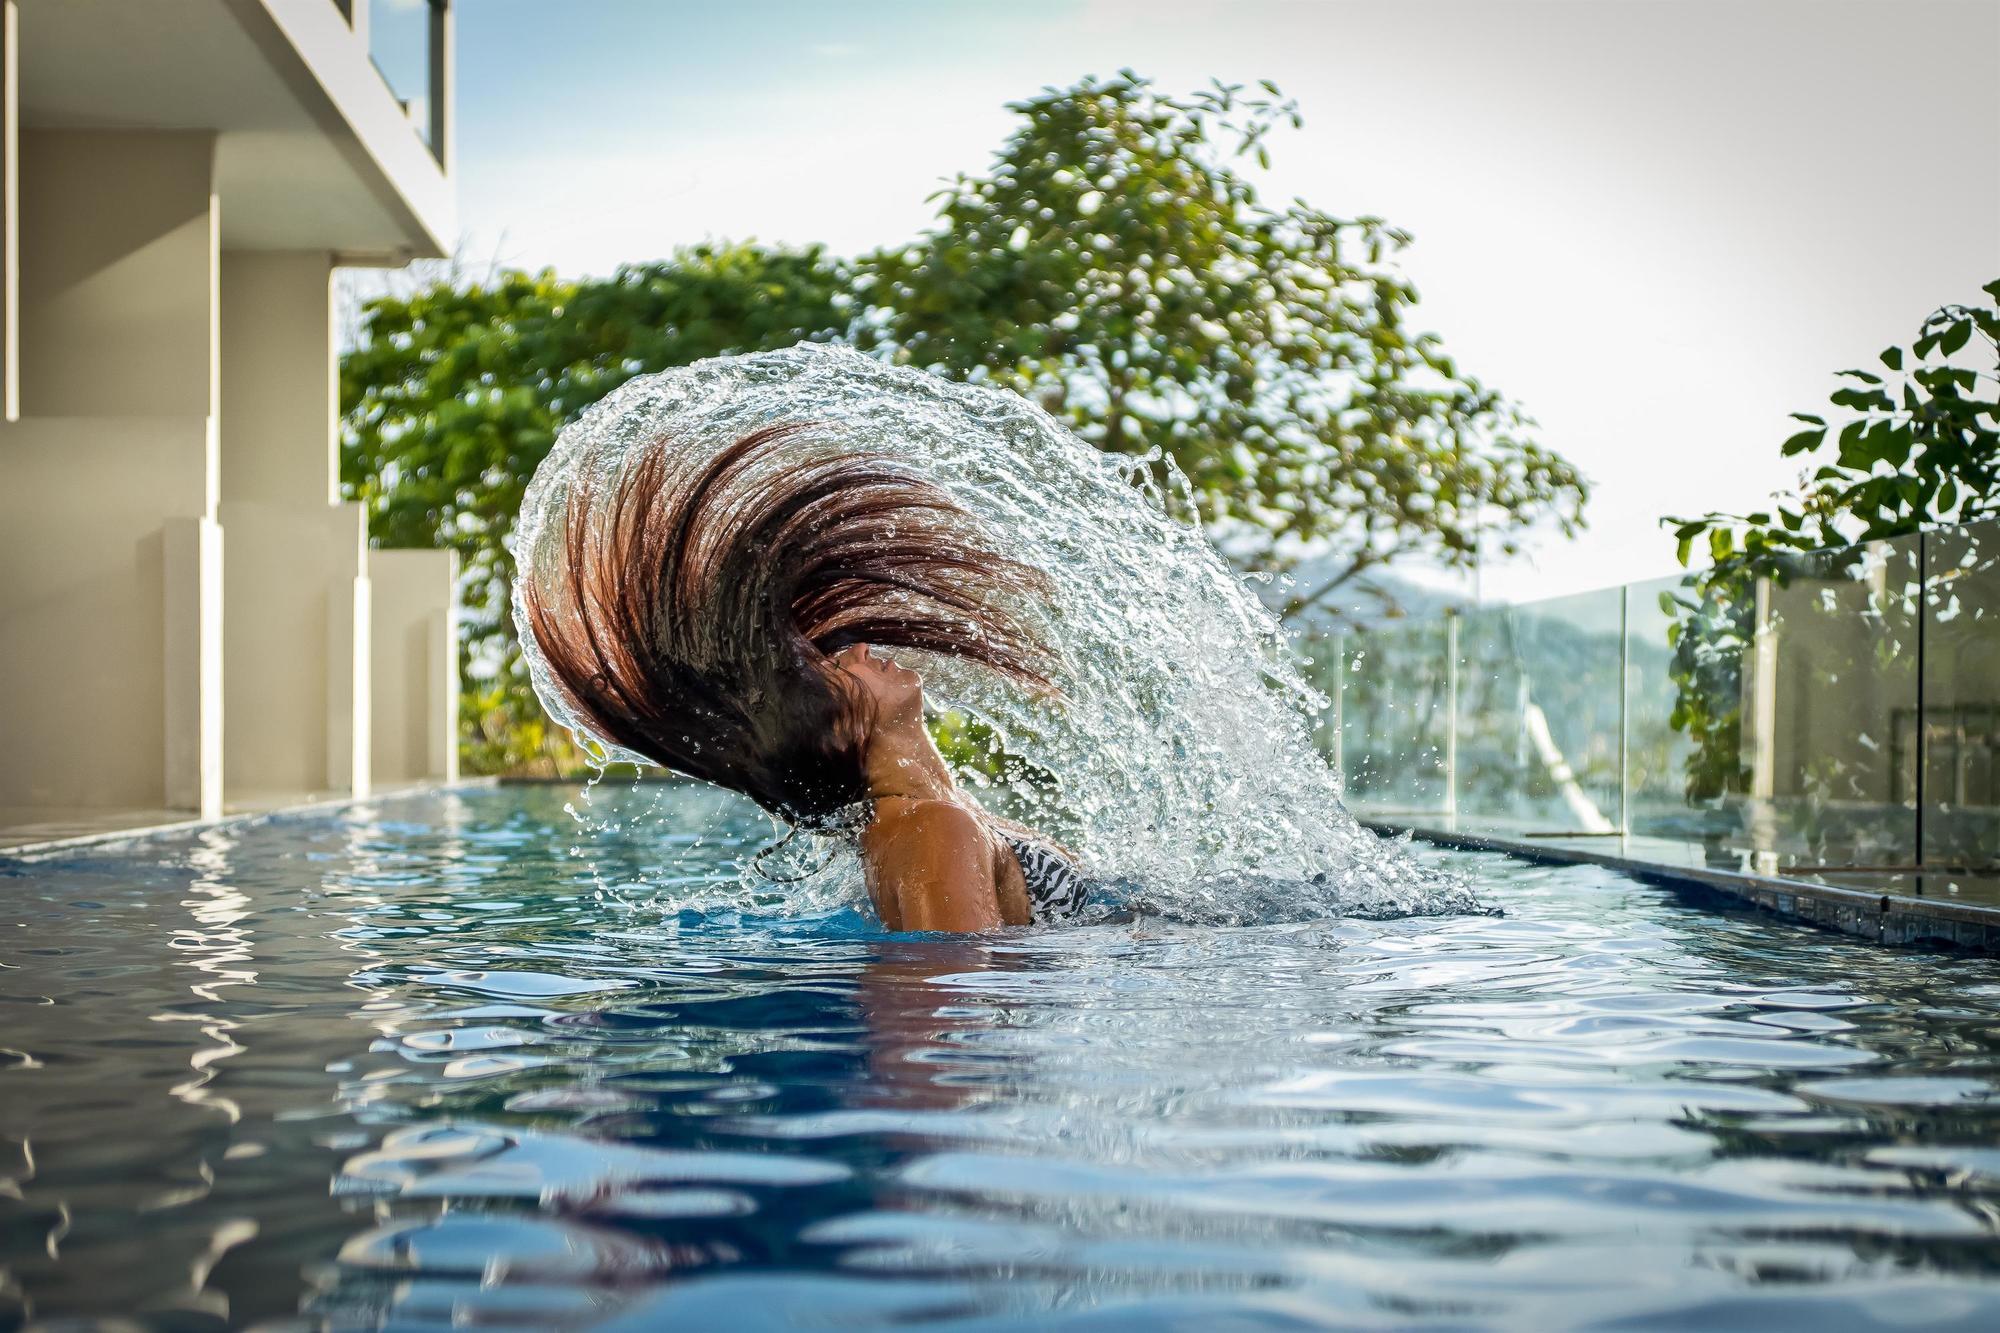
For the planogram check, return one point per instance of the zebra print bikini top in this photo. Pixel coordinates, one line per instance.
(1057, 890)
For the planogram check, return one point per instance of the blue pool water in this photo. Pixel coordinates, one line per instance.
(450, 1060)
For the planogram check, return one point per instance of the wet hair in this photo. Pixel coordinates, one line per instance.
(690, 613)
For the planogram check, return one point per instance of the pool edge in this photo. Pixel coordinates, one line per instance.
(1880, 918)
(37, 850)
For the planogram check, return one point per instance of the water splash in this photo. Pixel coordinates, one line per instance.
(1180, 760)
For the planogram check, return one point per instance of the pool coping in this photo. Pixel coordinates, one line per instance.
(39, 850)
(1881, 918)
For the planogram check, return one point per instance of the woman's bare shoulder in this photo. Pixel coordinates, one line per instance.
(930, 866)
(900, 817)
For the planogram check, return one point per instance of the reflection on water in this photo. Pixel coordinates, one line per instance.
(428, 1064)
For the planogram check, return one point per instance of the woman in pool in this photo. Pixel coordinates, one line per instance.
(725, 621)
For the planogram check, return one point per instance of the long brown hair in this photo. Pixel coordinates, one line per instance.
(690, 613)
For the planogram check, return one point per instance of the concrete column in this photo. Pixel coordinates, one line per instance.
(10, 211)
(295, 652)
(280, 378)
(109, 612)
(297, 643)
(415, 686)
(110, 616)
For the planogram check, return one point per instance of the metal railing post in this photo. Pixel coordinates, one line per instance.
(1624, 710)
(1923, 719)
(442, 64)
(1451, 714)
(1339, 716)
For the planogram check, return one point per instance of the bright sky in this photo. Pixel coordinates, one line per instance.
(1658, 226)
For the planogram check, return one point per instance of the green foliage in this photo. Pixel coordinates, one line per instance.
(1112, 265)
(1918, 447)
(1712, 632)
(1013, 786)
(1911, 450)
(456, 393)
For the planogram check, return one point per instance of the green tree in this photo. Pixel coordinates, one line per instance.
(1912, 449)
(455, 393)
(1112, 264)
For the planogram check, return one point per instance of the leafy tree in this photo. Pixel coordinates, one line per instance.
(1908, 453)
(455, 393)
(1112, 264)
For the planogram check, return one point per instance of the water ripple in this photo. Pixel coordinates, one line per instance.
(441, 1070)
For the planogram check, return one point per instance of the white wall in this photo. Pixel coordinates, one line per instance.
(280, 377)
(296, 698)
(119, 255)
(296, 590)
(86, 507)
(110, 613)
(414, 683)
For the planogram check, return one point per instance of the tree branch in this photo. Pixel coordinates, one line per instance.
(1368, 559)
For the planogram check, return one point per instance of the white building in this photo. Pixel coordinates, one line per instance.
(190, 621)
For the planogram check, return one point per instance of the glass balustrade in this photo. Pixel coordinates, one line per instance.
(1961, 700)
(1538, 740)
(1833, 713)
(1389, 715)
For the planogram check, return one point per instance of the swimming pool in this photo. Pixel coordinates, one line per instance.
(406, 1065)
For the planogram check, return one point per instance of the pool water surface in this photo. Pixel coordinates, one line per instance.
(452, 1060)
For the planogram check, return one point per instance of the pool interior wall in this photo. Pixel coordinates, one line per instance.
(454, 1059)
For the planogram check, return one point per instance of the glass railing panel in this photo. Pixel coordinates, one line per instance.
(1491, 768)
(1395, 720)
(1834, 745)
(400, 33)
(1961, 704)
(1322, 659)
(1539, 715)
(1788, 696)
(1667, 792)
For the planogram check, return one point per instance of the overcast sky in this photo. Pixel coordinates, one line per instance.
(1658, 226)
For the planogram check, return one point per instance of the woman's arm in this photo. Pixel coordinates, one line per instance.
(933, 861)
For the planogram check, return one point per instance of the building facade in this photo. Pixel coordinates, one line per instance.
(190, 618)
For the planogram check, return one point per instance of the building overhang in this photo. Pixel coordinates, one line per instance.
(313, 150)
